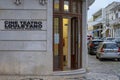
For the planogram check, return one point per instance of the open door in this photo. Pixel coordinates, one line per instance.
(67, 34)
(66, 52)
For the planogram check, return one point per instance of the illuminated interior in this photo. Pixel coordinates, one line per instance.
(56, 5)
(65, 44)
(66, 5)
(67, 22)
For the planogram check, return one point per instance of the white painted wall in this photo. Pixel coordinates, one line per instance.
(30, 52)
(84, 35)
(26, 51)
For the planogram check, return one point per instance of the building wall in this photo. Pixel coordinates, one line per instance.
(117, 31)
(25, 50)
(98, 23)
(28, 51)
(84, 38)
(116, 21)
(110, 17)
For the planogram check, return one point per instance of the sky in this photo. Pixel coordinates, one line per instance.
(98, 4)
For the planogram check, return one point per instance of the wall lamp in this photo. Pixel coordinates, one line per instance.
(43, 2)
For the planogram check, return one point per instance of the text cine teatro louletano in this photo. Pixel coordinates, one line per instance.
(23, 25)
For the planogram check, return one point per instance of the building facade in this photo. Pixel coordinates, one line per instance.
(106, 21)
(112, 17)
(90, 27)
(40, 37)
(115, 21)
(98, 18)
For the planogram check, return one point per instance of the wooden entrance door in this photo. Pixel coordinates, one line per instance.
(59, 49)
(74, 43)
(57, 44)
(60, 43)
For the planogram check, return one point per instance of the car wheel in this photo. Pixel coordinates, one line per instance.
(97, 57)
(89, 52)
(118, 59)
(101, 59)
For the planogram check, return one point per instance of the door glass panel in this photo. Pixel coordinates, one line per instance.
(80, 8)
(74, 43)
(56, 5)
(74, 6)
(65, 42)
(56, 44)
(66, 5)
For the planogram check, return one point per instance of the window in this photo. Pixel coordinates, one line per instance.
(116, 15)
(56, 44)
(74, 6)
(110, 46)
(56, 5)
(66, 5)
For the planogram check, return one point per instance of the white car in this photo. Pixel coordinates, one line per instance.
(108, 50)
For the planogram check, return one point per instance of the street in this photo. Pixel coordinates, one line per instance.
(106, 66)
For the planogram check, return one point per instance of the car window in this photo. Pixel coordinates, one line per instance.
(117, 39)
(110, 38)
(96, 42)
(110, 46)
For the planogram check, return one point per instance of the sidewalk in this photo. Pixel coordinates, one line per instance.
(76, 75)
(87, 76)
(72, 76)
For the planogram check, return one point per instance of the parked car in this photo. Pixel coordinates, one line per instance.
(96, 38)
(117, 40)
(108, 50)
(92, 46)
(109, 39)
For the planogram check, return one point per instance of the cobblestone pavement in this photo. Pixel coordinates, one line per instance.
(100, 70)
(97, 70)
(106, 66)
(111, 67)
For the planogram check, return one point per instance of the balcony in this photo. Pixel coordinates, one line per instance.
(97, 21)
(115, 21)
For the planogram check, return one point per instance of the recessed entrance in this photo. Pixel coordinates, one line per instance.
(67, 35)
(66, 43)
(62, 43)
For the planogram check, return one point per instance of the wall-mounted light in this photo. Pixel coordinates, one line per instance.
(43, 2)
(17, 2)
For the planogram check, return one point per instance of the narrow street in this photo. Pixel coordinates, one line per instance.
(106, 66)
